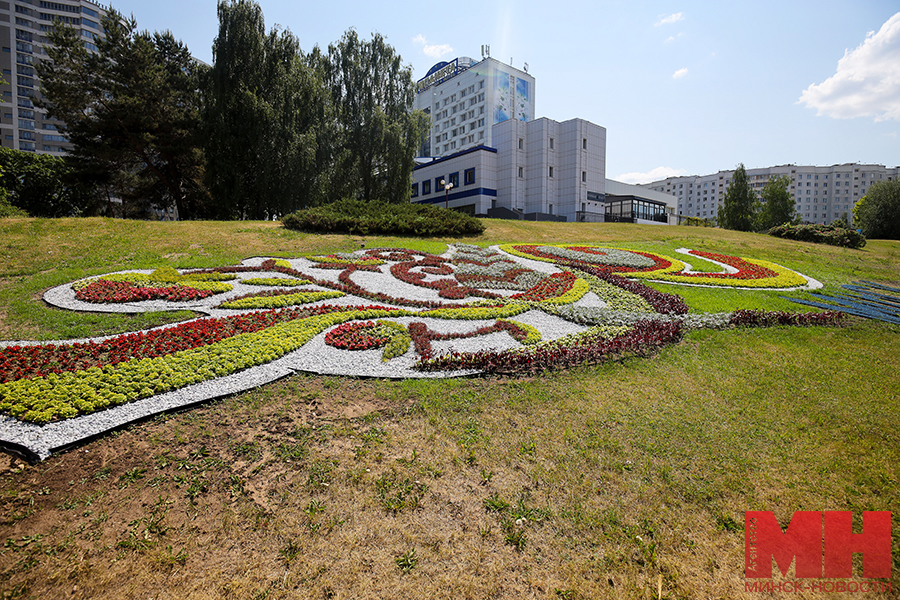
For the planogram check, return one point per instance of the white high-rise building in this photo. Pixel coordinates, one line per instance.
(821, 194)
(23, 34)
(465, 99)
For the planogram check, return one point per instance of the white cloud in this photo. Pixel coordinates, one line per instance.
(867, 81)
(434, 50)
(672, 38)
(654, 175)
(680, 73)
(670, 19)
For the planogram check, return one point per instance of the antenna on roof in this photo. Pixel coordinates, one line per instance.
(526, 67)
(485, 51)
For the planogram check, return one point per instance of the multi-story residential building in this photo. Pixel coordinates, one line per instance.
(464, 99)
(23, 34)
(821, 194)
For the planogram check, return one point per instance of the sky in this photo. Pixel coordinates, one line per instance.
(682, 87)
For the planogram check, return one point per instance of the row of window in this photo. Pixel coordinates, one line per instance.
(453, 180)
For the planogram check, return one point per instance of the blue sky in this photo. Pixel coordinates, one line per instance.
(682, 87)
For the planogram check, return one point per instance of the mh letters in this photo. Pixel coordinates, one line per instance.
(821, 550)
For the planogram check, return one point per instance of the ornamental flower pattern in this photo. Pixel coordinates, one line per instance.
(470, 310)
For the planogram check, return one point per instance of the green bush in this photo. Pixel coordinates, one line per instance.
(382, 218)
(820, 234)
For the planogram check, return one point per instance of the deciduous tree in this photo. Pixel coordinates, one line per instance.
(372, 92)
(878, 212)
(738, 206)
(269, 125)
(777, 205)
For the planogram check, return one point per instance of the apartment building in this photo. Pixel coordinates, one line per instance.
(24, 25)
(821, 194)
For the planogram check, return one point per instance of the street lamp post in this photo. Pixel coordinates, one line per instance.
(447, 188)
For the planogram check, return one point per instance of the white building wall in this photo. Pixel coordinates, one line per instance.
(464, 107)
(23, 125)
(821, 194)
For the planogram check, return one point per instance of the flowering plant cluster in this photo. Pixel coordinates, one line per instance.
(764, 318)
(278, 299)
(39, 360)
(47, 382)
(364, 335)
(163, 284)
(273, 281)
(71, 393)
(608, 259)
(595, 345)
(422, 335)
(103, 291)
(749, 273)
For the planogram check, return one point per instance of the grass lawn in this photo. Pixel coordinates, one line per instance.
(627, 479)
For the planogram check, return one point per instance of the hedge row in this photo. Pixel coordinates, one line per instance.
(820, 234)
(381, 218)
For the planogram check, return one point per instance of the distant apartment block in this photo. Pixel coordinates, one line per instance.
(24, 25)
(821, 194)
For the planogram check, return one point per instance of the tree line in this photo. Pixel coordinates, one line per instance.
(266, 130)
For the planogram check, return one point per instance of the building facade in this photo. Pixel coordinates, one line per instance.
(464, 100)
(821, 194)
(24, 25)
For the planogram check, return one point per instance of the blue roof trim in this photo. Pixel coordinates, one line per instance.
(437, 198)
(438, 161)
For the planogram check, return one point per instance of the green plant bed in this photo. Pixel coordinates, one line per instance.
(820, 234)
(381, 218)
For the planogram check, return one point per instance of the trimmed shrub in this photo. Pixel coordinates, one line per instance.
(382, 218)
(820, 234)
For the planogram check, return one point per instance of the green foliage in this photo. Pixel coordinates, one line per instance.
(383, 218)
(820, 234)
(268, 120)
(40, 185)
(737, 208)
(372, 92)
(777, 205)
(696, 222)
(878, 212)
(131, 111)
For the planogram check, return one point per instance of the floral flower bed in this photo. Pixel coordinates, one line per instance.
(278, 299)
(749, 273)
(49, 382)
(596, 345)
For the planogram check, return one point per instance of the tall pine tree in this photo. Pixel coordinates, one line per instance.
(131, 111)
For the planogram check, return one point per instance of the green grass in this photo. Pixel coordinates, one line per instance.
(622, 480)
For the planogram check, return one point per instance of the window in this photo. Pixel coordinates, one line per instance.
(551, 172)
(551, 143)
(415, 190)
(439, 184)
(469, 176)
(584, 176)
(584, 143)
(520, 172)
(521, 143)
(426, 187)
(454, 179)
